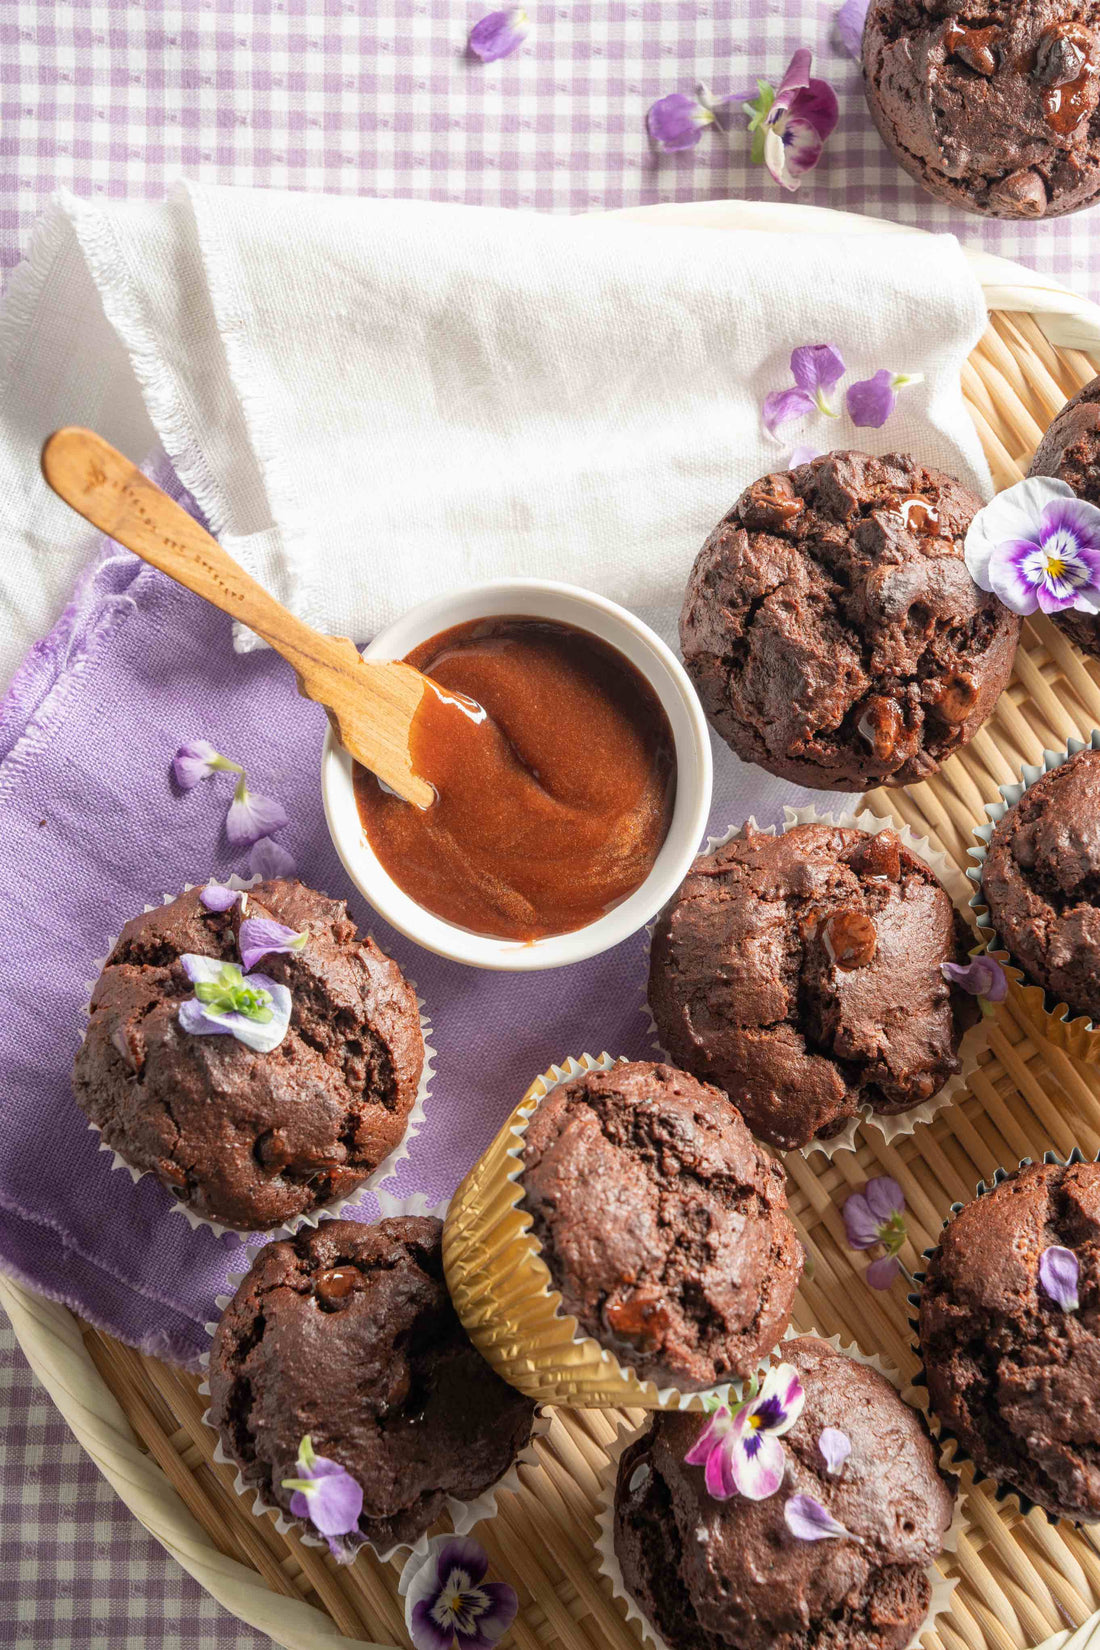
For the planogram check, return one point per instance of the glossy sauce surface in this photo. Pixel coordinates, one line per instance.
(552, 806)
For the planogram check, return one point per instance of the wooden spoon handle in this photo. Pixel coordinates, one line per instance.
(371, 706)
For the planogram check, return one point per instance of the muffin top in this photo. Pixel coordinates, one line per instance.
(833, 631)
(1011, 1372)
(1041, 881)
(1070, 450)
(245, 1137)
(686, 1263)
(801, 972)
(730, 1575)
(989, 103)
(347, 1334)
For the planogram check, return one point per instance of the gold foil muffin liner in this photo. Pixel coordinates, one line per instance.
(1077, 1035)
(327, 1211)
(505, 1296)
(464, 1515)
(891, 1127)
(952, 1452)
(943, 1585)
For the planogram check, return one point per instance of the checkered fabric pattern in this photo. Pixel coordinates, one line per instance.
(368, 97)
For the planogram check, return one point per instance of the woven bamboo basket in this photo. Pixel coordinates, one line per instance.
(1022, 1582)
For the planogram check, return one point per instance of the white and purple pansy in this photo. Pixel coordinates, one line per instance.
(326, 1494)
(983, 977)
(498, 34)
(449, 1605)
(739, 1450)
(678, 121)
(808, 1520)
(1060, 1277)
(1037, 547)
(258, 936)
(877, 1216)
(256, 1010)
(792, 124)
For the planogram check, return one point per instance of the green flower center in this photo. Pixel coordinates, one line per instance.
(230, 994)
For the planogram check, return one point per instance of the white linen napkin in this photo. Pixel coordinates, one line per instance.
(374, 401)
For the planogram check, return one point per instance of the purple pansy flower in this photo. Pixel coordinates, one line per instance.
(982, 977)
(448, 1603)
(252, 816)
(678, 121)
(835, 1447)
(740, 1451)
(260, 935)
(215, 897)
(268, 860)
(810, 1521)
(816, 370)
(877, 1215)
(197, 760)
(791, 125)
(255, 1011)
(1059, 1277)
(849, 25)
(1037, 546)
(871, 401)
(326, 1494)
(498, 35)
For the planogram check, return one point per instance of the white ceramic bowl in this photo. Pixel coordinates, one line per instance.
(565, 603)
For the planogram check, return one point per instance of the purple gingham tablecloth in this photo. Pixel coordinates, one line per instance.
(377, 98)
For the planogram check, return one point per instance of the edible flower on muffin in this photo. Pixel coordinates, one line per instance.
(258, 936)
(1059, 1276)
(326, 1494)
(983, 978)
(216, 897)
(877, 1215)
(808, 1520)
(448, 1603)
(256, 1010)
(835, 1447)
(1037, 548)
(791, 124)
(740, 1449)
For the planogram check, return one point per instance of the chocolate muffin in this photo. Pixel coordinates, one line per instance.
(730, 1575)
(1014, 1375)
(802, 973)
(1041, 882)
(686, 1263)
(347, 1333)
(833, 631)
(249, 1138)
(990, 104)
(1070, 450)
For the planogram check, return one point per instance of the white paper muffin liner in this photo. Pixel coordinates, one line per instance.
(378, 1177)
(1076, 1033)
(464, 1515)
(952, 1451)
(891, 1127)
(943, 1586)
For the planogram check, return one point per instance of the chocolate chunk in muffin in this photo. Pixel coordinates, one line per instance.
(251, 1138)
(1041, 882)
(1070, 450)
(730, 1575)
(685, 1264)
(1013, 1373)
(348, 1334)
(802, 974)
(833, 631)
(990, 104)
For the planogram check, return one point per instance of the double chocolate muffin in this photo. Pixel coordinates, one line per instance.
(802, 973)
(990, 104)
(1012, 1373)
(250, 1138)
(662, 1223)
(730, 1575)
(1041, 882)
(1070, 450)
(832, 629)
(348, 1334)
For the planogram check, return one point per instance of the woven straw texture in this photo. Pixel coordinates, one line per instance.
(1023, 1583)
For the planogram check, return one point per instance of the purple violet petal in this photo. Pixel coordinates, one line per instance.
(198, 1023)
(796, 79)
(817, 367)
(871, 401)
(495, 1619)
(191, 763)
(335, 1505)
(268, 860)
(718, 1475)
(498, 35)
(260, 935)
(425, 1632)
(816, 105)
(982, 977)
(860, 1225)
(784, 407)
(808, 1520)
(802, 455)
(461, 1552)
(217, 898)
(677, 121)
(849, 25)
(252, 816)
(1059, 1276)
(835, 1447)
(882, 1273)
(1077, 518)
(884, 1198)
(711, 1436)
(299, 1504)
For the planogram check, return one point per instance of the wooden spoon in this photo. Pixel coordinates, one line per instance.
(371, 706)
